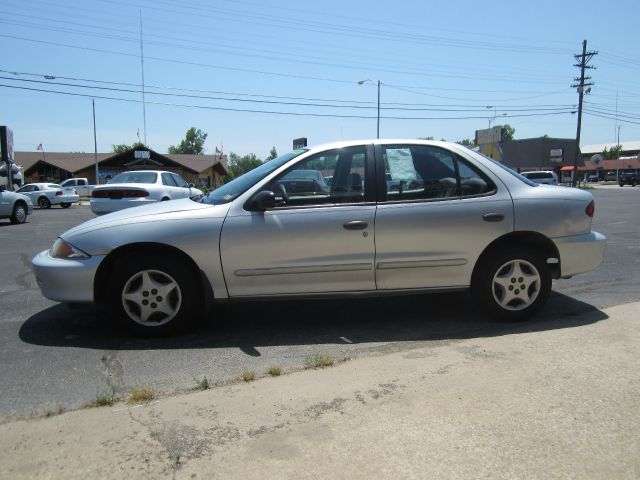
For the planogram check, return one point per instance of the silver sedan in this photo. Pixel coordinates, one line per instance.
(453, 220)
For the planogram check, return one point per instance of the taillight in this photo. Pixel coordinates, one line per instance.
(117, 194)
(58, 193)
(591, 209)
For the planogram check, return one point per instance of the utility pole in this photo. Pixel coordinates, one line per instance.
(95, 141)
(583, 86)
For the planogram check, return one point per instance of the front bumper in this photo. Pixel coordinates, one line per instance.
(66, 280)
(580, 253)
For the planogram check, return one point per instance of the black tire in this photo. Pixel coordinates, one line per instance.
(19, 214)
(65, 205)
(165, 313)
(527, 284)
(44, 202)
(622, 184)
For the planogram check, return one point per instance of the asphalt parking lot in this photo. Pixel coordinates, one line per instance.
(51, 356)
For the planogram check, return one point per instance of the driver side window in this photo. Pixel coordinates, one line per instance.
(335, 176)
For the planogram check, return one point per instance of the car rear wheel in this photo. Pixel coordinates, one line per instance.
(153, 295)
(19, 214)
(44, 202)
(512, 285)
(65, 205)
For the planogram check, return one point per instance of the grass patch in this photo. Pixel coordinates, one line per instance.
(59, 410)
(140, 395)
(104, 399)
(274, 371)
(248, 376)
(319, 361)
(202, 384)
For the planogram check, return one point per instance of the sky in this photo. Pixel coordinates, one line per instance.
(256, 74)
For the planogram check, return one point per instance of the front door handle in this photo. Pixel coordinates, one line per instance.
(355, 225)
(493, 217)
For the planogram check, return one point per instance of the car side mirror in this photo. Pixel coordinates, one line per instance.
(191, 185)
(263, 200)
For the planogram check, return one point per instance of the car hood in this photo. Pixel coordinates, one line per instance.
(155, 212)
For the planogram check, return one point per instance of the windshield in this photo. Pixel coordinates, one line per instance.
(135, 177)
(238, 186)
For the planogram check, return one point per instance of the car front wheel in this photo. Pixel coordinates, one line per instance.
(153, 295)
(512, 285)
(19, 214)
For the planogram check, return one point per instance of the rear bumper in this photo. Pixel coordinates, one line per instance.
(66, 280)
(58, 199)
(580, 253)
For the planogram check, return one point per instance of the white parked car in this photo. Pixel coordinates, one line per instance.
(140, 187)
(46, 194)
(546, 177)
(14, 206)
(457, 220)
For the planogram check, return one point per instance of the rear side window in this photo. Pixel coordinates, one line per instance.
(419, 172)
(167, 179)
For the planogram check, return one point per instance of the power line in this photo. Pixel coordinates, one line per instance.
(608, 117)
(299, 114)
(432, 107)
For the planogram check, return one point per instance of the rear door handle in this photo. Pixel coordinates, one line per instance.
(493, 217)
(355, 225)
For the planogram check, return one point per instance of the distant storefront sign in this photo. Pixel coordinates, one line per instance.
(299, 142)
(556, 155)
(141, 154)
(489, 135)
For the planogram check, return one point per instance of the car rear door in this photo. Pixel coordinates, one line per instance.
(439, 214)
(312, 241)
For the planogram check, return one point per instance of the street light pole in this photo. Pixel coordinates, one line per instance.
(361, 82)
(95, 140)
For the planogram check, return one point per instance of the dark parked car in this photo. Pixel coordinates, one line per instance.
(628, 179)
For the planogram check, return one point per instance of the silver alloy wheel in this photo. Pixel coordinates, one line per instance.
(516, 285)
(20, 214)
(151, 298)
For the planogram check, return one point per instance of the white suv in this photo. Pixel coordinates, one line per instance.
(542, 176)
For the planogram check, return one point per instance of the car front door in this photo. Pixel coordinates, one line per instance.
(318, 238)
(438, 214)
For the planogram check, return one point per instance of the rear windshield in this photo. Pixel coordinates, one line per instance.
(520, 177)
(135, 177)
(533, 175)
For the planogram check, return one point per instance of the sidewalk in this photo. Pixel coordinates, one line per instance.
(554, 403)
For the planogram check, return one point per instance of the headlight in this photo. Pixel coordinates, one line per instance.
(64, 250)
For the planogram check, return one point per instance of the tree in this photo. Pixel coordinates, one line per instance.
(613, 153)
(272, 154)
(508, 132)
(238, 165)
(123, 147)
(467, 142)
(192, 144)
